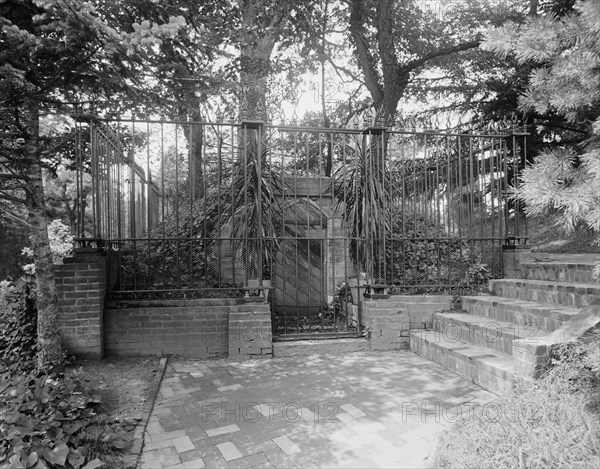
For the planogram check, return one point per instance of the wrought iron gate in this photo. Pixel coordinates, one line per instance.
(216, 209)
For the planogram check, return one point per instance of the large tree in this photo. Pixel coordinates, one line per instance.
(563, 50)
(55, 54)
(409, 50)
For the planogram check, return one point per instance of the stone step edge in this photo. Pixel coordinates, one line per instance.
(457, 349)
(303, 348)
(525, 282)
(501, 300)
(506, 330)
(584, 266)
(552, 311)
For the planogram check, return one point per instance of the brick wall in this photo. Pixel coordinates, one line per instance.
(80, 284)
(419, 308)
(513, 257)
(553, 272)
(250, 332)
(197, 328)
(388, 329)
(390, 320)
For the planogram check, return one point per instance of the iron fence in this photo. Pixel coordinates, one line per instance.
(300, 215)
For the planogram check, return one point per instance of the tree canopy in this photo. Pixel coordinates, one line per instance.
(563, 49)
(61, 58)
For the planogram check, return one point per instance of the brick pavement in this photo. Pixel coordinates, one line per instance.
(363, 409)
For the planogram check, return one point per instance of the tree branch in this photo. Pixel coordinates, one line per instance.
(11, 198)
(20, 220)
(356, 111)
(339, 68)
(366, 61)
(414, 64)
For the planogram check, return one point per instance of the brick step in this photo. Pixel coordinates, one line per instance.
(303, 348)
(113, 303)
(542, 291)
(555, 271)
(485, 332)
(547, 317)
(490, 369)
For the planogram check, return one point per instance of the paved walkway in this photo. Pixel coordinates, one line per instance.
(356, 410)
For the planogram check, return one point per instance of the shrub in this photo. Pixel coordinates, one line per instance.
(554, 421)
(50, 421)
(18, 326)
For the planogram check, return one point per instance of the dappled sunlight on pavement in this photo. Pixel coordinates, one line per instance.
(362, 409)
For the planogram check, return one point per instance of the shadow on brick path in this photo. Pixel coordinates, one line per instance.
(362, 409)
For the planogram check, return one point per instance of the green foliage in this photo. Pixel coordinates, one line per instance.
(238, 217)
(566, 77)
(337, 313)
(18, 326)
(183, 260)
(476, 275)
(50, 421)
(364, 196)
(566, 81)
(428, 255)
(61, 240)
(561, 180)
(548, 423)
(61, 245)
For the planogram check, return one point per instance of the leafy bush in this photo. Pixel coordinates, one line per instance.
(61, 245)
(422, 253)
(50, 421)
(553, 422)
(18, 326)
(61, 240)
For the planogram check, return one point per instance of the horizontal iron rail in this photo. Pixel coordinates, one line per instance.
(326, 130)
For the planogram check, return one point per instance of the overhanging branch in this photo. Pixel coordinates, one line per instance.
(414, 64)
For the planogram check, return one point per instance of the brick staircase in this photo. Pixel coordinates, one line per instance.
(482, 341)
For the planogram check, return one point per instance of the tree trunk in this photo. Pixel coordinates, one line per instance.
(49, 343)
(255, 69)
(255, 61)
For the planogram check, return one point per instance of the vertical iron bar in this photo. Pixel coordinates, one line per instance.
(306, 234)
(163, 194)
(492, 177)
(437, 197)
(148, 183)
(459, 205)
(192, 195)
(207, 236)
(218, 136)
(259, 169)
(177, 272)
(232, 243)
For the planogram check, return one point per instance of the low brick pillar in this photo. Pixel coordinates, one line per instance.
(531, 359)
(532, 355)
(513, 255)
(81, 285)
(250, 333)
(388, 329)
